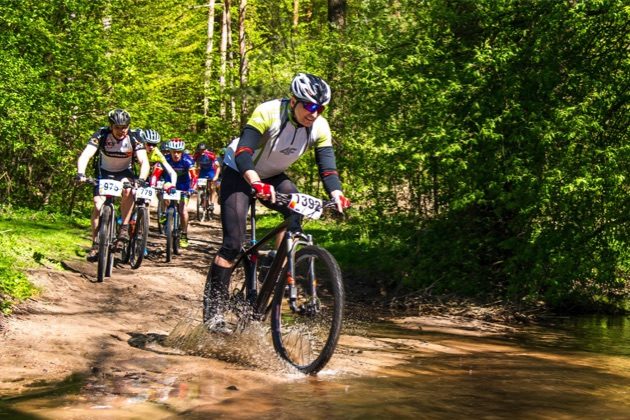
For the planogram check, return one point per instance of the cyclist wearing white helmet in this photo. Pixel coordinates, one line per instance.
(156, 158)
(186, 181)
(117, 145)
(276, 135)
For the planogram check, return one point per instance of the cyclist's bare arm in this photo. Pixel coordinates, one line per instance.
(170, 171)
(145, 166)
(87, 154)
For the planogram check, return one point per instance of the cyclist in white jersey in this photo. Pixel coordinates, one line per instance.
(117, 146)
(276, 135)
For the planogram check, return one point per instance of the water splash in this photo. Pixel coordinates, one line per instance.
(250, 347)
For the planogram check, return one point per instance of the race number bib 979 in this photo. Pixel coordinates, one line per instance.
(110, 187)
(202, 182)
(306, 205)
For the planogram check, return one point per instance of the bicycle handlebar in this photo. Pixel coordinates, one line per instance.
(94, 181)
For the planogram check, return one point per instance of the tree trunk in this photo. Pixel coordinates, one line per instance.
(223, 51)
(208, 75)
(243, 69)
(296, 13)
(230, 61)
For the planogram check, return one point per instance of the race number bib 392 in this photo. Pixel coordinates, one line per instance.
(306, 205)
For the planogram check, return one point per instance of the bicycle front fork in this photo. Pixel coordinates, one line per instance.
(295, 239)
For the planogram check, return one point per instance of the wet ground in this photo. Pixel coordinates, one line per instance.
(132, 347)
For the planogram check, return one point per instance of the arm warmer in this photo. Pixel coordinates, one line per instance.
(250, 137)
(325, 159)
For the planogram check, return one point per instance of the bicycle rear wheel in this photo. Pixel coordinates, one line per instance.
(305, 329)
(138, 242)
(237, 311)
(104, 244)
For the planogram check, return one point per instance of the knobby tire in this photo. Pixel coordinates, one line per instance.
(307, 338)
(237, 311)
(138, 241)
(176, 231)
(160, 215)
(169, 232)
(104, 246)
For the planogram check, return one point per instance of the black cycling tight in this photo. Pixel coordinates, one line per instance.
(235, 199)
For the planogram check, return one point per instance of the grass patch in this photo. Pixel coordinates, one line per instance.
(346, 240)
(31, 239)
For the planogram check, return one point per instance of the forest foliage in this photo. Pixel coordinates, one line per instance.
(484, 143)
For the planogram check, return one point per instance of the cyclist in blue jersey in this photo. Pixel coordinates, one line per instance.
(276, 135)
(184, 166)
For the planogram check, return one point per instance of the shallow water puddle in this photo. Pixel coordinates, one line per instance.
(410, 368)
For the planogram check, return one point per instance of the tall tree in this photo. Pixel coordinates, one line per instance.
(209, 43)
(243, 67)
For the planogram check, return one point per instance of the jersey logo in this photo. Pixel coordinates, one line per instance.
(288, 151)
(110, 143)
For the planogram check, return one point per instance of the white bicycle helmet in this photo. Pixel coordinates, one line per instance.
(119, 117)
(176, 144)
(151, 136)
(309, 88)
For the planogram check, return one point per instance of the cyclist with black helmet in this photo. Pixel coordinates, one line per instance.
(276, 135)
(117, 145)
(208, 167)
(186, 181)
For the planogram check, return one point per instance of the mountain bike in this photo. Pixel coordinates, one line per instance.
(107, 232)
(160, 207)
(172, 225)
(300, 288)
(134, 251)
(205, 207)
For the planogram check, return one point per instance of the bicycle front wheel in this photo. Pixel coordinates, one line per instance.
(201, 210)
(306, 316)
(177, 233)
(138, 241)
(160, 215)
(169, 232)
(104, 244)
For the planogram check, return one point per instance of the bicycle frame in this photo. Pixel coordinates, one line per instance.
(260, 299)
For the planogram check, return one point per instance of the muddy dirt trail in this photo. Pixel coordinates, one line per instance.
(112, 343)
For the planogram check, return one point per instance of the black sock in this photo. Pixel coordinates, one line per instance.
(216, 293)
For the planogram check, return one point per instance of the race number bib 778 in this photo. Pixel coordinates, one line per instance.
(306, 205)
(110, 187)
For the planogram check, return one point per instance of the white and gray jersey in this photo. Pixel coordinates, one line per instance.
(115, 155)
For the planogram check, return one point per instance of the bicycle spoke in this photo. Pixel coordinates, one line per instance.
(306, 327)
